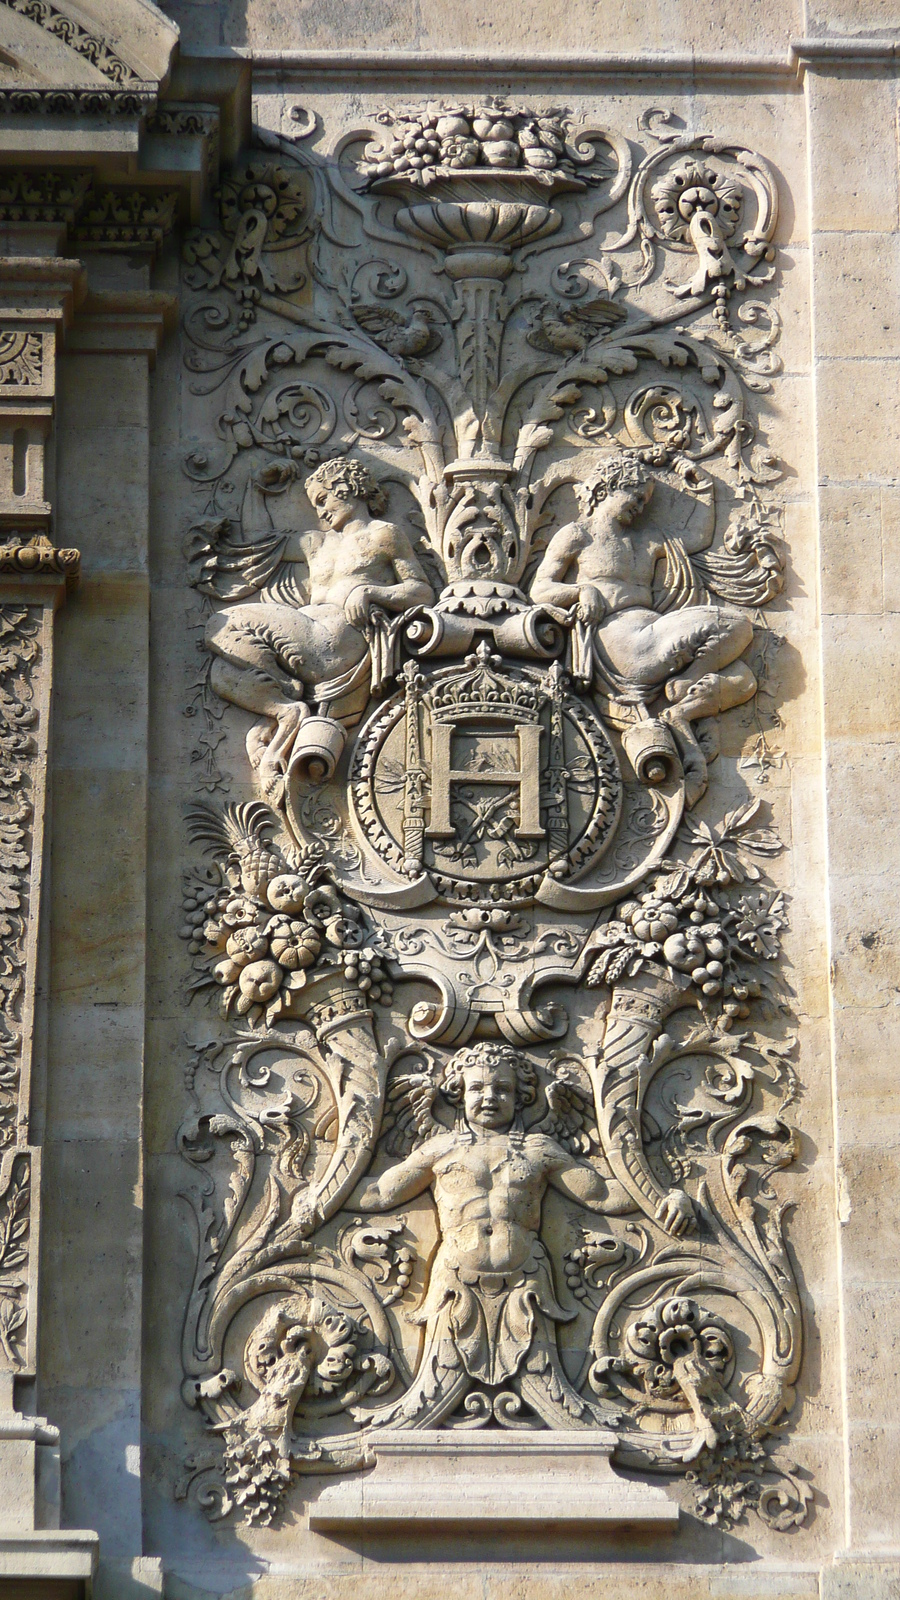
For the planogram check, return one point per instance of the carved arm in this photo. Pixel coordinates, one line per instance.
(405, 1181)
(550, 586)
(582, 1182)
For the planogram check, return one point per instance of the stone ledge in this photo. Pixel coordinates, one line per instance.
(54, 1564)
(451, 64)
(115, 323)
(438, 1479)
(861, 1577)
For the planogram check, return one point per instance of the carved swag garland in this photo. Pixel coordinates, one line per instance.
(483, 546)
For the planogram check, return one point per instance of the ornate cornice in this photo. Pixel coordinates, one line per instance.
(35, 196)
(111, 218)
(38, 558)
(97, 102)
(188, 122)
(126, 218)
(185, 121)
(91, 46)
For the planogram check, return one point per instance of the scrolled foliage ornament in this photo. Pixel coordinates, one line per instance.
(480, 583)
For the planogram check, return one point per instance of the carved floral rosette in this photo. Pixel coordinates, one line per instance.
(476, 848)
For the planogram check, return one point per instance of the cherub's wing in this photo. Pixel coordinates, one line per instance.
(408, 1119)
(226, 569)
(570, 1117)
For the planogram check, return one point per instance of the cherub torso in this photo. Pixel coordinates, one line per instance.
(340, 561)
(488, 1194)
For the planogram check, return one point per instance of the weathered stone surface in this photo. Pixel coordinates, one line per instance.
(461, 993)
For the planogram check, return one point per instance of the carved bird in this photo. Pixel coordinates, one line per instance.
(568, 329)
(394, 333)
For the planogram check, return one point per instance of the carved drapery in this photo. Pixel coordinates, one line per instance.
(486, 536)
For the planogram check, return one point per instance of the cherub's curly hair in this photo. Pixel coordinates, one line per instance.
(490, 1055)
(351, 477)
(623, 470)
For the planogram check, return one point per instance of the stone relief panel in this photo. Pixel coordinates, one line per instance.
(33, 578)
(20, 630)
(486, 1133)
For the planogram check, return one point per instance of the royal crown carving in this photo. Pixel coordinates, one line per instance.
(503, 1059)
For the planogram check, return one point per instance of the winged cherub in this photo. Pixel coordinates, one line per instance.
(602, 569)
(271, 655)
(491, 1307)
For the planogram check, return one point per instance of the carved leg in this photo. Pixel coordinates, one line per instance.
(253, 669)
(545, 1388)
(696, 771)
(711, 640)
(700, 697)
(269, 744)
(712, 692)
(441, 1382)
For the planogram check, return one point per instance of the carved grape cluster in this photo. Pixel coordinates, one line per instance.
(691, 933)
(257, 1476)
(257, 947)
(695, 934)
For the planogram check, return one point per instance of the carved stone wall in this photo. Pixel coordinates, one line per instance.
(488, 662)
(447, 1095)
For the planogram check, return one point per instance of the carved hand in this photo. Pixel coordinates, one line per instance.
(692, 476)
(356, 605)
(676, 1212)
(591, 604)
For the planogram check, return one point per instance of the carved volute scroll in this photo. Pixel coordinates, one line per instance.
(485, 1133)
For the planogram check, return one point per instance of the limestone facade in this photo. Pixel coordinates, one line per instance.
(448, 963)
